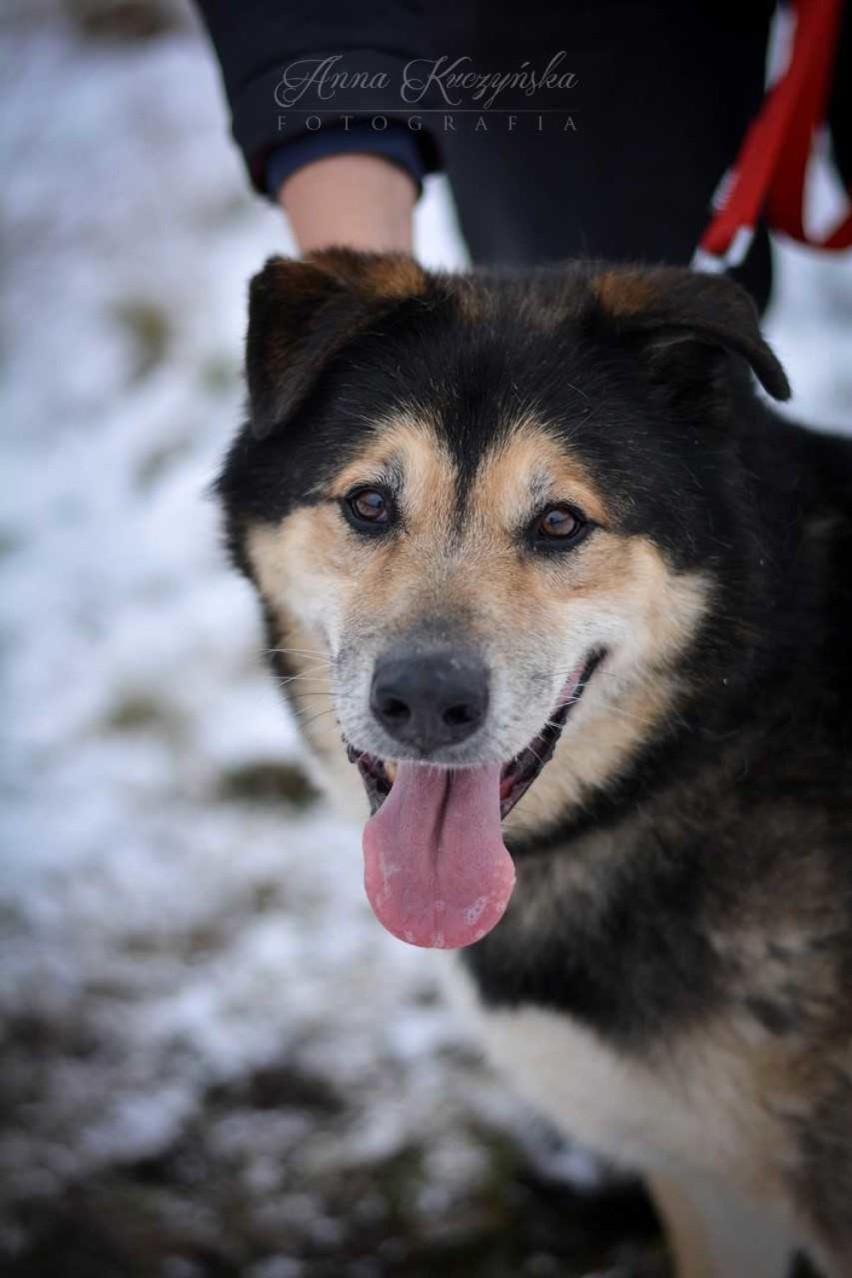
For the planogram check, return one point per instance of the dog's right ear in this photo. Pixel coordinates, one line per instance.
(303, 313)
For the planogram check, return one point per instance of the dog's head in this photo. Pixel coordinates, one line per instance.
(491, 519)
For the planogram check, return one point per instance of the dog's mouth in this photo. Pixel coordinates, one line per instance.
(437, 871)
(516, 776)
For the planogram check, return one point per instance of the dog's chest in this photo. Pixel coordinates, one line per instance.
(636, 1114)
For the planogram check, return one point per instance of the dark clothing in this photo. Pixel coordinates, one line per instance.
(622, 164)
(664, 95)
(395, 143)
(256, 39)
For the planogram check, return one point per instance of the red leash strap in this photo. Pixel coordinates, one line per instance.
(768, 177)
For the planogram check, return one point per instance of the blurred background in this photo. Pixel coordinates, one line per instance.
(214, 1061)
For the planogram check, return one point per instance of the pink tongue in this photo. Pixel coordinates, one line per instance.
(435, 867)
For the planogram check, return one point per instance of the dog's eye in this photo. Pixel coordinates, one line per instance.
(558, 525)
(368, 509)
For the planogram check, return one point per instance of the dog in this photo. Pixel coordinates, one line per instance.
(564, 606)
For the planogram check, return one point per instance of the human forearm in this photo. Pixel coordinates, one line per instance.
(356, 200)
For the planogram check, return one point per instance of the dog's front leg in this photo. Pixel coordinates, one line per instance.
(715, 1233)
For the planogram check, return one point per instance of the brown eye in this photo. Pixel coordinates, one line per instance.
(368, 509)
(560, 525)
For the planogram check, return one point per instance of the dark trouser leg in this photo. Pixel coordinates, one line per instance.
(664, 97)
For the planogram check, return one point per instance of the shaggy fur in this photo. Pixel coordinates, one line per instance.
(672, 980)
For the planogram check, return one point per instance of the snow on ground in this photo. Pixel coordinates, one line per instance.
(216, 1062)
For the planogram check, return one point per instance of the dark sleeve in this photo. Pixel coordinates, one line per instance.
(394, 142)
(350, 62)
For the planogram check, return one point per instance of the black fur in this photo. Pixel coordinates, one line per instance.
(659, 405)
(735, 819)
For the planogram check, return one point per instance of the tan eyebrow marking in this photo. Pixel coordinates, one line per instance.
(531, 462)
(408, 451)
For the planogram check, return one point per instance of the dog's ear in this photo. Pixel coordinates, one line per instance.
(303, 313)
(675, 314)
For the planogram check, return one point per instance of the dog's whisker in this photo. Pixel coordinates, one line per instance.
(304, 653)
(303, 680)
(320, 714)
(311, 652)
(282, 683)
(308, 693)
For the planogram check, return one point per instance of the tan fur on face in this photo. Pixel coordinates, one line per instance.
(309, 691)
(634, 691)
(527, 612)
(315, 568)
(311, 575)
(502, 487)
(410, 446)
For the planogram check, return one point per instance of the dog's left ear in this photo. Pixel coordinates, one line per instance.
(302, 315)
(672, 310)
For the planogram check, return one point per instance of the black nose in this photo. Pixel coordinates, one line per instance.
(429, 700)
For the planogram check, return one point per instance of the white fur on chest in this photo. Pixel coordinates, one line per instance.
(689, 1110)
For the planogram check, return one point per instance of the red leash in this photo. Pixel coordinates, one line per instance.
(768, 177)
